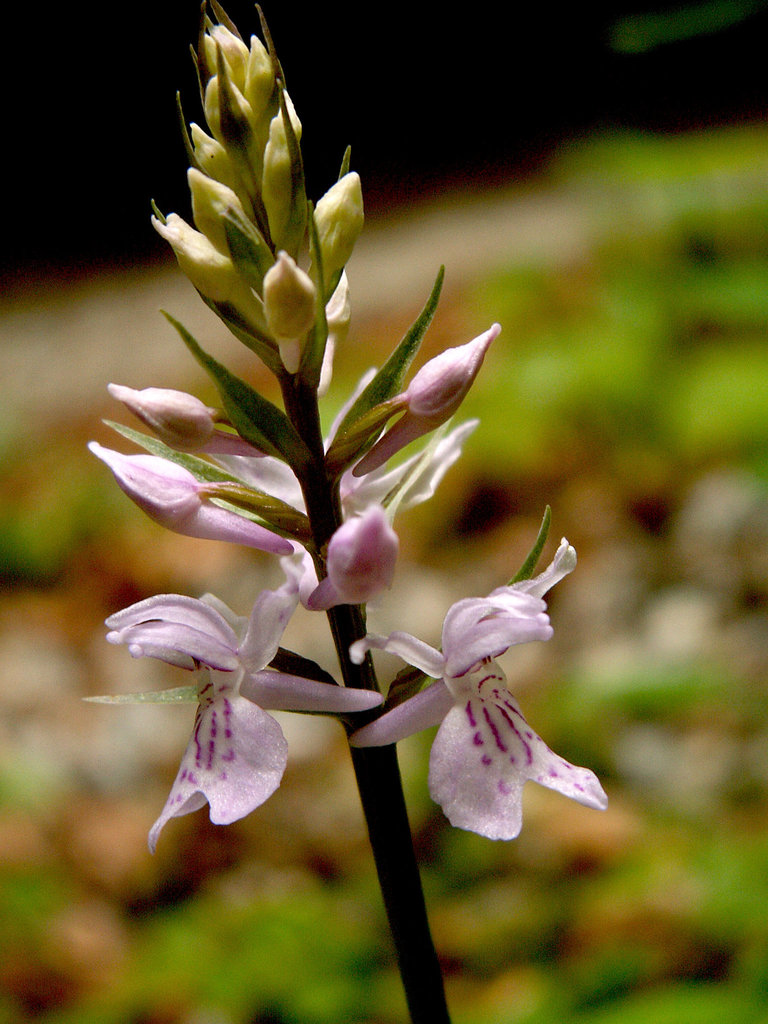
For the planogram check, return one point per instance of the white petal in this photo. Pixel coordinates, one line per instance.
(268, 619)
(234, 761)
(484, 753)
(563, 563)
(278, 691)
(405, 646)
(424, 709)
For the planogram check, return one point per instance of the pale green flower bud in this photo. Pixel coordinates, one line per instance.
(259, 87)
(211, 201)
(212, 157)
(283, 183)
(289, 305)
(234, 50)
(230, 124)
(209, 270)
(339, 221)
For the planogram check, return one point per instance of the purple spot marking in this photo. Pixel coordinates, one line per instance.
(503, 788)
(470, 716)
(477, 739)
(227, 718)
(486, 760)
(229, 756)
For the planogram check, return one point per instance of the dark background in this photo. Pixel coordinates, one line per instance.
(423, 96)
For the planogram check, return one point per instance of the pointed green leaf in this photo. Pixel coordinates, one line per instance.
(254, 417)
(529, 565)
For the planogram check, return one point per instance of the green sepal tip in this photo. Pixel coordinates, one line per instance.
(529, 565)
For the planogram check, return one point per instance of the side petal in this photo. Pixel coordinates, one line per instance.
(479, 627)
(424, 709)
(268, 619)
(234, 762)
(563, 563)
(278, 691)
(405, 646)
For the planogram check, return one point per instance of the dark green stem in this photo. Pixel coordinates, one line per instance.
(376, 768)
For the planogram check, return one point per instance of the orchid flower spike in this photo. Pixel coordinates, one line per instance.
(432, 397)
(172, 496)
(484, 750)
(237, 754)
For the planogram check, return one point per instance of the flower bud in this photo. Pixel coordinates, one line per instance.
(212, 157)
(440, 386)
(180, 420)
(289, 305)
(172, 497)
(361, 561)
(432, 397)
(209, 270)
(283, 182)
(233, 49)
(211, 201)
(259, 86)
(339, 221)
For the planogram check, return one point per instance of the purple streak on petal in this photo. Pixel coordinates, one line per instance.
(234, 776)
(494, 730)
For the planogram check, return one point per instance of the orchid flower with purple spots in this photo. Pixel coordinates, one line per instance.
(485, 750)
(237, 753)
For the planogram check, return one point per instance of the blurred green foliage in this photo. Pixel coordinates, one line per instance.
(642, 360)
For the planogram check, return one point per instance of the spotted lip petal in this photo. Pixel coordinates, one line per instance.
(483, 755)
(234, 760)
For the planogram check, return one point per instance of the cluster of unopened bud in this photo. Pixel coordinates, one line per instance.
(269, 264)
